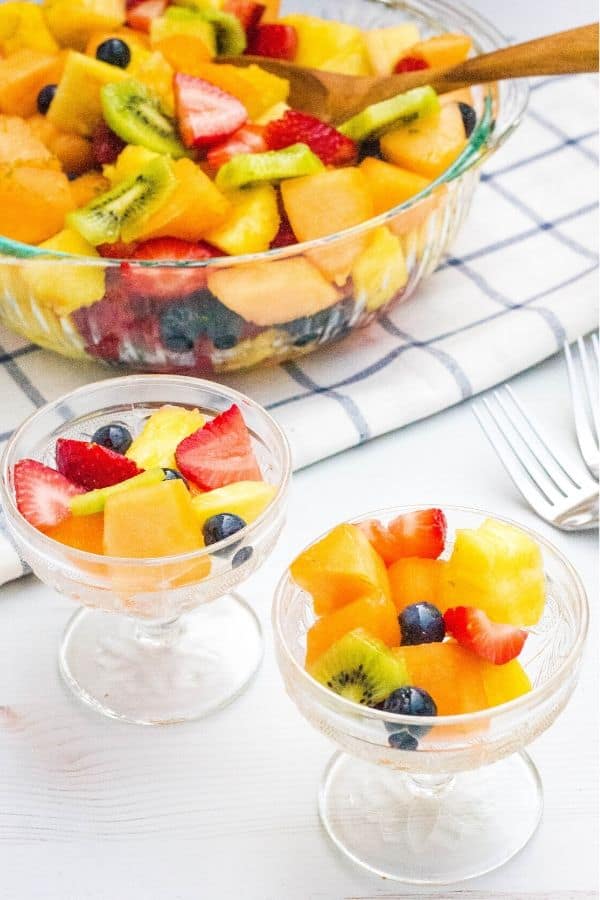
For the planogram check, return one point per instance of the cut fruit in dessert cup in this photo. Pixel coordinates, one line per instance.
(431, 671)
(148, 499)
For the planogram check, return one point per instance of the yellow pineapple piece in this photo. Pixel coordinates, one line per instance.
(78, 286)
(77, 105)
(385, 46)
(251, 222)
(504, 683)
(129, 162)
(23, 25)
(380, 271)
(321, 43)
(156, 444)
(72, 22)
(247, 499)
(87, 187)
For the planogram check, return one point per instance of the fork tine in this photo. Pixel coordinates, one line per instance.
(535, 496)
(585, 435)
(587, 378)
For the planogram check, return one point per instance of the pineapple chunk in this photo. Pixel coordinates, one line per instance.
(322, 43)
(380, 271)
(385, 46)
(78, 286)
(251, 223)
(155, 446)
(247, 499)
(77, 105)
(22, 25)
(129, 162)
(72, 22)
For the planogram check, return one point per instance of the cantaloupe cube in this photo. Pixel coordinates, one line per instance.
(449, 673)
(416, 580)
(250, 223)
(33, 203)
(390, 185)
(376, 614)
(23, 75)
(385, 46)
(21, 146)
(81, 532)
(256, 88)
(427, 146)
(87, 186)
(73, 151)
(442, 50)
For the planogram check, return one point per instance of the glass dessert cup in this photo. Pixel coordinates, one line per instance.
(469, 797)
(84, 308)
(158, 640)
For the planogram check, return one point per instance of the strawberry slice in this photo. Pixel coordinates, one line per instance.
(273, 40)
(411, 64)
(206, 114)
(333, 147)
(247, 11)
(473, 629)
(92, 466)
(247, 139)
(140, 15)
(421, 533)
(42, 494)
(219, 454)
(168, 283)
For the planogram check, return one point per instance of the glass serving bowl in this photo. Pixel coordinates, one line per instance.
(276, 305)
(469, 797)
(158, 640)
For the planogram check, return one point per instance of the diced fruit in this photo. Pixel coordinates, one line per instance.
(320, 41)
(340, 568)
(42, 494)
(73, 151)
(325, 203)
(93, 502)
(408, 701)
(419, 533)
(442, 50)
(23, 74)
(184, 37)
(163, 431)
(33, 203)
(300, 289)
(220, 527)
(450, 674)
(106, 145)
(390, 185)
(247, 11)
(421, 623)
(114, 437)
(83, 533)
(92, 466)
(273, 40)
(115, 52)
(22, 25)
(78, 286)
(376, 614)
(137, 116)
(408, 109)
(151, 521)
(86, 188)
(473, 629)
(247, 139)
(249, 226)
(170, 283)
(499, 569)
(73, 21)
(119, 212)
(277, 111)
(360, 668)
(128, 162)
(504, 683)
(257, 89)
(206, 114)
(380, 272)
(230, 35)
(384, 45)
(413, 580)
(77, 105)
(274, 165)
(219, 454)
(142, 14)
(247, 499)
(427, 146)
(411, 64)
(20, 145)
(331, 146)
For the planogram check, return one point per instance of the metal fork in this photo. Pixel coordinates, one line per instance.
(557, 491)
(582, 365)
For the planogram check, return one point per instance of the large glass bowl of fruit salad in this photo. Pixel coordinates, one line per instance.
(148, 499)
(431, 646)
(168, 212)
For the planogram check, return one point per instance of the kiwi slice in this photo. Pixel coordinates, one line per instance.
(229, 31)
(94, 501)
(113, 214)
(360, 668)
(135, 113)
(378, 118)
(274, 165)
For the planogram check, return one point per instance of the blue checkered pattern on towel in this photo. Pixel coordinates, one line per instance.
(520, 281)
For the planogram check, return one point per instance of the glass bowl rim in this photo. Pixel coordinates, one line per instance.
(348, 707)
(49, 545)
(22, 252)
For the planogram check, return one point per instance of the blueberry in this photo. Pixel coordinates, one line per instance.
(182, 324)
(324, 325)
(173, 474)
(403, 740)
(241, 556)
(409, 701)
(422, 623)
(224, 327)
(45, 98)
(221, 526)
(469, 117)
(115, 52)
(114, 437)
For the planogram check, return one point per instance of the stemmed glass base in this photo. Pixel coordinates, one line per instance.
(430, 829)
(162, 673)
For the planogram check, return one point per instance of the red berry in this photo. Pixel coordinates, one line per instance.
(473, 629)
(42, 494)
(333, 147)
(206, 114)
(421, 533)
(247, 11)
(106, 145)
(247, 139)
(219, 454)
(273, 40)
(168, 283)
(411, 64)
(92, 466)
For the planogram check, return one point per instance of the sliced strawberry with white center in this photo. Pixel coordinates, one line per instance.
(219, 454)
(42, 494)
(206, 114)
(92, 466)
(247, 139)
(420, 533)
(169, 283)
(140, 15)
(473, 629)
(273, 40)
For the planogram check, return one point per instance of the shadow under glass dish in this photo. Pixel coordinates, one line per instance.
(157, 640)
(469, 797)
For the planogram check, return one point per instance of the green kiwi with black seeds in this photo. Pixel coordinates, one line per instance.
(135, 113)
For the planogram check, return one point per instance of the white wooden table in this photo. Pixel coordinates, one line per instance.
(226, 808)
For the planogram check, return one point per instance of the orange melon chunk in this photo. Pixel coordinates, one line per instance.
(390, 185)
(416, 580)
(73, 151)
(376, 614)
(449, 673)
(33, 203)
(81, 532)
(20, 145)
(340, 568)
(442, 50)
(427, 146)
(23, 75)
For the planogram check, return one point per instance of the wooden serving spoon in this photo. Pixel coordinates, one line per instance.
(335, 98)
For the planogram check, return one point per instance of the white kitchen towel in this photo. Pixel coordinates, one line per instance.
(520, 282)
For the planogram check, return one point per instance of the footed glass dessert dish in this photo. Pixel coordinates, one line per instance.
(165, 639)
(463, 796)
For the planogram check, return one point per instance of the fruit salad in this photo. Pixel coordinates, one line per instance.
(126, 141)
(413, 623)
(182, 483)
